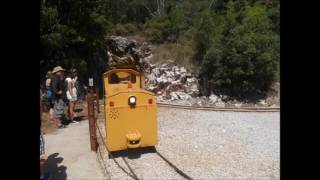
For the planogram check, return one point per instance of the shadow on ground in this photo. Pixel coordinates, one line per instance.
(66, 121)
(133, 153)
(56, 171)
(79, 118)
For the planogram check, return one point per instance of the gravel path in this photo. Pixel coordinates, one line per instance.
(209, 145)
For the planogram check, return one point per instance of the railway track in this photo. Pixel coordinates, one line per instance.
(106, 172)
(207, 108)
(131, 172)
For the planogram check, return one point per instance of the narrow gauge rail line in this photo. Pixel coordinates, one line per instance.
(132, 173)
(174, 167)
(207, 108)
(232, 109)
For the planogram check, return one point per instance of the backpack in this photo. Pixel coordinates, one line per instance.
(48, 94)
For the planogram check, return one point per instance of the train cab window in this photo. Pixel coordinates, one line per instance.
(121, 78)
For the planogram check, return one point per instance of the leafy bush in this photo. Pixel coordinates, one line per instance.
(166, 28)
(244, 60)
(202, 36)
(157, 29)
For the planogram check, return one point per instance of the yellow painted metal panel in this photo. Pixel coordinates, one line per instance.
(122, 120)
(129, 126)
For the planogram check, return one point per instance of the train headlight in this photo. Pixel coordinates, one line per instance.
(132, 100)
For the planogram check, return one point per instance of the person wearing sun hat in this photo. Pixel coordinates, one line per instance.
(58, 87)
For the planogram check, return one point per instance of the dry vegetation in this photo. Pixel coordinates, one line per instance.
(180, 53)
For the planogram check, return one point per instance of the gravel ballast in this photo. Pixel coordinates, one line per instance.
(208, 145)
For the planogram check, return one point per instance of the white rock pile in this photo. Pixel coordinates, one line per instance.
(174, 84)
(171, 82)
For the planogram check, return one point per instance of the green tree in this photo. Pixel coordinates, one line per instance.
(202, 37)
(177, 23)
(244, 61)
(158, 29)
(72, 31)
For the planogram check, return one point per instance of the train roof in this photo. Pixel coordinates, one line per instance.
(133, 71)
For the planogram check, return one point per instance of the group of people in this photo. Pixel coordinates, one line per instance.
(61, 90)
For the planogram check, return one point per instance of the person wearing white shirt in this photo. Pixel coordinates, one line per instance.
(71, 95)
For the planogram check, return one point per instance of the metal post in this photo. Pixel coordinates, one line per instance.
(91, 117)
(97, 99)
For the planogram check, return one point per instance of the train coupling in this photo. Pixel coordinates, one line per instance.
(133, 139)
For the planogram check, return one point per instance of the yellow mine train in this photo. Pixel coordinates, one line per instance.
(130, 111)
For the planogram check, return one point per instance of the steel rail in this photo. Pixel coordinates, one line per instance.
(134, 176)
(208, 108)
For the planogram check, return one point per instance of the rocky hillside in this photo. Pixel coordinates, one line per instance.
(173, 83)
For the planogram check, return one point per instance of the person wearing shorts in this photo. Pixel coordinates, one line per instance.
(72, 97)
